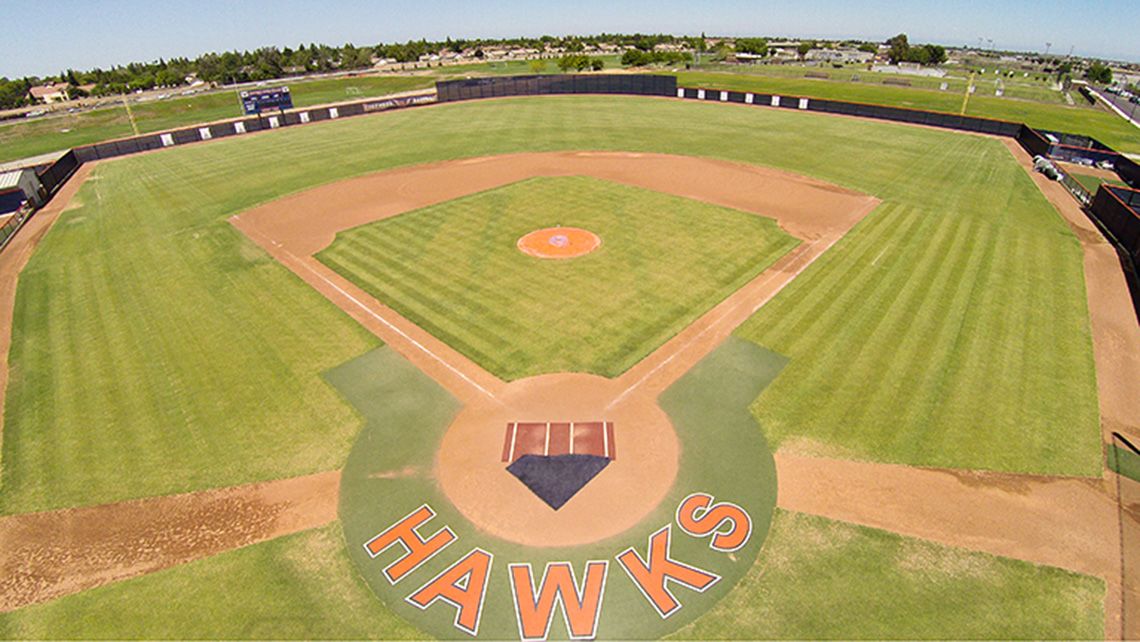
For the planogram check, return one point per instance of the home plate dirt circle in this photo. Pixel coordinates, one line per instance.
(635, 436)
(559, 242)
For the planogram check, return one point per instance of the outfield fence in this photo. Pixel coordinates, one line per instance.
(496, 87)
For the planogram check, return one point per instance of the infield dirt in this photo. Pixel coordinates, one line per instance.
(294, 228)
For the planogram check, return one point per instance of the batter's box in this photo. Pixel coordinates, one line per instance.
(553, 438)
(556, 459)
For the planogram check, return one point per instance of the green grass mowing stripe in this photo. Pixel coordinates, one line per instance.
(422, 308)
(852, 326)
(385, 274)
(880, 333)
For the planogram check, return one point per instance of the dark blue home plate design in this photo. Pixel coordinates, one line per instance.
(556, 459)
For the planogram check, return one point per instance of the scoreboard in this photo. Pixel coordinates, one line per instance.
(254, 101)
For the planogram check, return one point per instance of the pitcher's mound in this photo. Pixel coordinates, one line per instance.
(559, 242)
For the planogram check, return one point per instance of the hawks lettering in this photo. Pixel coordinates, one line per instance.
(463, 586)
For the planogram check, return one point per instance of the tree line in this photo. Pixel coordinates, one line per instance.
(270, 63)
(902, 51)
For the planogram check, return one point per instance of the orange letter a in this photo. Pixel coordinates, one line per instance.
(653, 578)
(580, 609)
(463, 586)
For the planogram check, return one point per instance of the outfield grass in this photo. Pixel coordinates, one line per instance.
(1102, 125)
(455, 271)
(156, 350)
(920, 338)
(297, 587)
(22, 139)
(821, 579)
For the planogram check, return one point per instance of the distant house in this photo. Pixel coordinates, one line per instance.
(840, 55)
(49, 93)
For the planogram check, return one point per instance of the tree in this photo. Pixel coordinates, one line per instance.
(804, 47)
(899, 48)
(538, 65)
(755, 46)
(1099, 72)
(869, 47)
(635, 58)
(597, 64)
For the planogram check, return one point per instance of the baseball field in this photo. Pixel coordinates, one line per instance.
(813, 377)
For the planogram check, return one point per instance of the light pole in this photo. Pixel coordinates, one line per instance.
(1047, 46)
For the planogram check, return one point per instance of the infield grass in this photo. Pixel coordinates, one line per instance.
(454, 269)
(156, 350)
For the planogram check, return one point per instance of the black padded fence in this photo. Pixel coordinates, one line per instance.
(1117, 209)
(502, 86)
(240, 126)
(1128, 171)
(878, 112)
(56, 174)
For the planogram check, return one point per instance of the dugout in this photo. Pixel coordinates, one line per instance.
(17, 187)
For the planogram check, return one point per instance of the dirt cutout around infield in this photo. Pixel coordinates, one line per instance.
(48, 555)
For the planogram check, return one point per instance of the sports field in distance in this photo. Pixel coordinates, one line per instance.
(940, 352)
(1101, 124)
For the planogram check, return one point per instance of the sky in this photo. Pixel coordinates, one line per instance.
(46, 36)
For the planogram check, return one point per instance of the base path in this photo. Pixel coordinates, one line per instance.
(295, 227)
(48, 555)
(468, 465)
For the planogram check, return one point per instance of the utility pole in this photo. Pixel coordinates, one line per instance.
(1047, 46)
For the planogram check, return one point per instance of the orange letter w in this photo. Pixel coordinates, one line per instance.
(580, 609)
